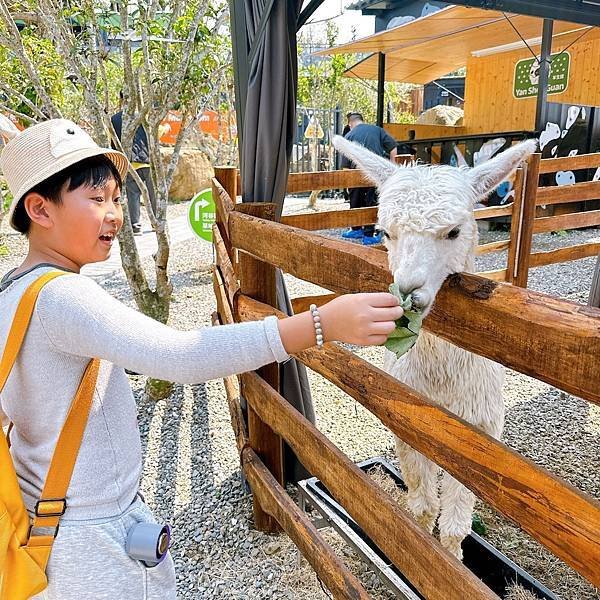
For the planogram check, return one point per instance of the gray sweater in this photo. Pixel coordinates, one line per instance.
(75, 320)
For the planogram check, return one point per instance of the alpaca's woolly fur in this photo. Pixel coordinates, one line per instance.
(418, 207)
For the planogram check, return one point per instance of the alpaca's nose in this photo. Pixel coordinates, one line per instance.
(408, 283)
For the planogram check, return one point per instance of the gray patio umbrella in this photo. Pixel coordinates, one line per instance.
(266, 69)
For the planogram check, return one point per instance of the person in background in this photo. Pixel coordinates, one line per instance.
(376, 140)
(140, 161)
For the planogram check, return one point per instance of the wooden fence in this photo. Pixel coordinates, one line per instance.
(550, 339)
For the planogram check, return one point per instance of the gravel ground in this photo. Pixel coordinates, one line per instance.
(191, 474)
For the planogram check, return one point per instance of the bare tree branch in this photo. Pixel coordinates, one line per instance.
(24, 99)
(15, 43)
(22, 116)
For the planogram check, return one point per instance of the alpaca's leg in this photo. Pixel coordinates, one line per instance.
(420, 476)
(456, 514)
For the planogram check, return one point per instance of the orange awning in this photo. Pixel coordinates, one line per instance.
(432, 46)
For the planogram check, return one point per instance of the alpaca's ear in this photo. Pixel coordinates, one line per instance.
(375, 167)
(489, 175)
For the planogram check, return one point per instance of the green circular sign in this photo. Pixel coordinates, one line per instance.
(201, 214)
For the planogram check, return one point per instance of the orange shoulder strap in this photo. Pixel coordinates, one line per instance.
(52, 503)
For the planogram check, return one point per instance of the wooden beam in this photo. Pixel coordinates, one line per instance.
(326, 180)
(257, 280)
(571, 221)
(551, 257)
(411, 548)
(362, 216)
(570, 163)
(493, 211)
(331, 570)
(561, 517)
(301, 304)
(554, 340)
(562, 194)
(495, 275)
(532, 175)
(332, 219)
(223, 261)
(492, 247)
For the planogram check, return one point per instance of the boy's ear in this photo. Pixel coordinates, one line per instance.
(36, 208)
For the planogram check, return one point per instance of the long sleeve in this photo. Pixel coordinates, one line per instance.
(81, 319)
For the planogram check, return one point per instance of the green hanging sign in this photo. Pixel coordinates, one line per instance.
(527, 75)
(201, 214)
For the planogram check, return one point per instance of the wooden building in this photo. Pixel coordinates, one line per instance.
(497, 48)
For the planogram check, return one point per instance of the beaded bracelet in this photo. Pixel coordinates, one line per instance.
(314, 311)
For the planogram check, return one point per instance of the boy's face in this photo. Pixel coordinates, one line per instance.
(87, 221)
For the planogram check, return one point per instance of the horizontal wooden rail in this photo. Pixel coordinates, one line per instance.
(563, 194)
(332, 219)
(326, 180)
(492, 247)
(570, 163)
(493, 211)
(321, 556)
(411, 549)
(553, 340)
(352, 217)
(303, 303)
(570, 221)
(495, 275)
(551, 257)
(561, 517)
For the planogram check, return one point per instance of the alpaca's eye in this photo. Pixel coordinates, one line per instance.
(453, 233)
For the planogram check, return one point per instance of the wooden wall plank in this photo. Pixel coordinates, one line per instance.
(561, 517)
(411, 549)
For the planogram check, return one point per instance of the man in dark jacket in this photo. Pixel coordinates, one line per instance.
(379, 141)
(140, 160)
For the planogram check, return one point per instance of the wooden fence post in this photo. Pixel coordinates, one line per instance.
(516, 223)
(529, 200)
(257, 280)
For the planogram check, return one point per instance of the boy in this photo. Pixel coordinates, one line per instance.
(67, 201)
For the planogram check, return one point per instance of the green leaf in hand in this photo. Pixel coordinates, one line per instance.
(404, 337)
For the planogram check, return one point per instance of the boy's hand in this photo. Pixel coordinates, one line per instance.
(362, 319)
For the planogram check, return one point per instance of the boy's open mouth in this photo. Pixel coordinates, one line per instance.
(108, 237)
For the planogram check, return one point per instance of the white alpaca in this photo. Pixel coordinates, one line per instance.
(426, 214)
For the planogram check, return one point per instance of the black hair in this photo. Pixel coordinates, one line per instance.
(89, 172)
(355, 115)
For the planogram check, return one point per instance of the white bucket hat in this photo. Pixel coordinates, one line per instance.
(45, 149)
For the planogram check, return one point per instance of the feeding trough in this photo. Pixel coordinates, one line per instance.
(486, 562)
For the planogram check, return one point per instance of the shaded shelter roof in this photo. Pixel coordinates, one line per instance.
(434, 45)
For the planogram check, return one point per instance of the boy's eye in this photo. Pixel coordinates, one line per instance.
(98, 198)
(117, 200)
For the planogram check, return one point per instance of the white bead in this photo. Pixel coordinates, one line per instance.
(317, 318)
(318, 331)
(317, 325)
(319, 338)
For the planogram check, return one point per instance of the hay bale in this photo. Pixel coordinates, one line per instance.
(442, 115)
